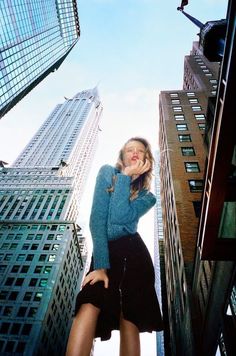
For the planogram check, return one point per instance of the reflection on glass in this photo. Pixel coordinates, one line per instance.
(233, 300)
(228, 216)
(228, 221)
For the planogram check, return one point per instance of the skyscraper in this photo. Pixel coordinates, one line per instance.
(182, 165)
(214, 279)
(36, 37)
(199, 204)
(158, 254)
(42, 249)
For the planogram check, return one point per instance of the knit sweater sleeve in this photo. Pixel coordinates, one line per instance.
(123, 210)
(99, 216)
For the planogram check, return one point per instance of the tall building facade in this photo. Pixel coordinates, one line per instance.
(199, 203)
(42, 249)
(159, 256)
(182, 166)
(214, 275)
(36, 37)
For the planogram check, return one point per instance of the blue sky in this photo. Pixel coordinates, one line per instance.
(133, 49)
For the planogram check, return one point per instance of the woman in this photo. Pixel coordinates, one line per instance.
(118, 292)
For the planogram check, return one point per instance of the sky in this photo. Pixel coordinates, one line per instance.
(131, 50)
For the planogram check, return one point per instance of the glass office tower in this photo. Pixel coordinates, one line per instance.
(159, 253)
(42, 254)
(35, 38)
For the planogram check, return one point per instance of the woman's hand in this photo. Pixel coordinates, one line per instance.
(137, 169)
(96, 276)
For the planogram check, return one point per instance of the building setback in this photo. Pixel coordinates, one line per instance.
(42, 249)
(35, 39)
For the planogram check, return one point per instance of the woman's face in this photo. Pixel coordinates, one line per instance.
(133, 151)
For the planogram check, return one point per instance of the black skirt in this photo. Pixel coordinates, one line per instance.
(131, 289)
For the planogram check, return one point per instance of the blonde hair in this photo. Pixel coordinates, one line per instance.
(144, 180)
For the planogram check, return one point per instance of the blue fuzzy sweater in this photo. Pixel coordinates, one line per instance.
(114, 215)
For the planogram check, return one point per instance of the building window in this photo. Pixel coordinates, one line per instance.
(199, 116)
(197, 208)
(213, 81)
(43, 282)
(21, 311)
(59, 237)
(20, 257)
(38, 237)
(190, 94)
(8, 257)
(28, 296)
(179, 117)
(5, 246)
(24, 269)
(13, 246)
(26, 329)
(195, 185)
(188, 151)
(38, 269)
(47, 269)
(42, 258)
(63, 227)
(46, 247)
(4, 328)
(193, 101)
(2, 268)
(29, 258)
(32, 312)
(8, 311)
(30, 237)
(43, 227)
(13, 296)
(3, 295)
(192, 167)
(10, 346)
(175, 101)
(19, 282)
(51, 258)
(38, 296)
(50, 237)
(181, 127)
(174, 95)
(33, 282)
(20, 347)
(9, 281)
(184, 138)
(177, 108)
(15, 329)
(196, 108)
(202, 126)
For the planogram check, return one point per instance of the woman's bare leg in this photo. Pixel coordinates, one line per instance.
(129, 338)
(82, 331)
